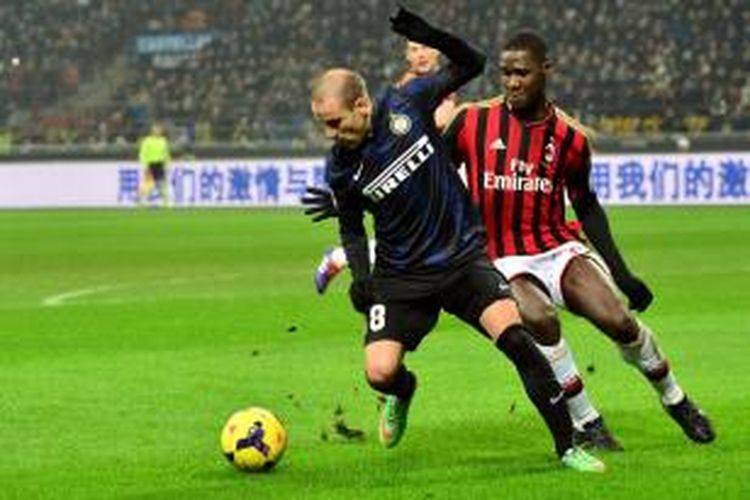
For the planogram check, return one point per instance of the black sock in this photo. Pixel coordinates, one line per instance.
(540, 384)
(403, 385)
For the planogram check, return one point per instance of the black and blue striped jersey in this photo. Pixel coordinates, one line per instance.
(423, 217)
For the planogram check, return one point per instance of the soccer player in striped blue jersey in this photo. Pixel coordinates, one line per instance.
(421, 61)
(388, 159)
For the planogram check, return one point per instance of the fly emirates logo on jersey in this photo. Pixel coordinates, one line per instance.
(523, 174)
(400, 169)
(521, 178)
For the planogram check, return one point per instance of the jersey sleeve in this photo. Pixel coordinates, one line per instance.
(592, 216)
(464, 63)
(578, 181)
(428, 92)
(339, 166)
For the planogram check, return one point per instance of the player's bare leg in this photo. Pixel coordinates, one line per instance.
(387, 374)
(502, 322)
(540, 316)
(589, 293)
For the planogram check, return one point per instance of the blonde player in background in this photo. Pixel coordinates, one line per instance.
(422, 60)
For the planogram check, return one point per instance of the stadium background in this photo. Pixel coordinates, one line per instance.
(127, 336)
(91, 74)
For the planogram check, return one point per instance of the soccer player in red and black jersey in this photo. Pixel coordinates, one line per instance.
(522, 157)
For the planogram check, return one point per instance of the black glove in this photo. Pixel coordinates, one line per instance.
(361, 295)
(636, 291)
(412, 26)
(320, 203)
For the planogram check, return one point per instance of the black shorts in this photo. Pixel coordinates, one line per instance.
(464, 292)
(157, 171)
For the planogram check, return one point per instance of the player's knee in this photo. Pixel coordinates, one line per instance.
(623, 327)
(544, 325)
(498, 316)
(381, 373)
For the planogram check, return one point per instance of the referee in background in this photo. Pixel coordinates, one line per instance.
(154, 155)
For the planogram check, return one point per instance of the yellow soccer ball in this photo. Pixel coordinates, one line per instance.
(253, 439)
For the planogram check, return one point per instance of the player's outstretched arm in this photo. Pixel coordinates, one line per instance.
(466, 62)
(357, 254)
(354, 241)
(596, 226)
(356, 247)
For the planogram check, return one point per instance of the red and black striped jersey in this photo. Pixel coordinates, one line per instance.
(518, 174)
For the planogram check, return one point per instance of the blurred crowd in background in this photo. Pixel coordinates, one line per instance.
(99, 72)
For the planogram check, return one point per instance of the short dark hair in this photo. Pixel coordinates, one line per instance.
(530, 42)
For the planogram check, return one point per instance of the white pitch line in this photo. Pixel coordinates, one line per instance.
(57, 300)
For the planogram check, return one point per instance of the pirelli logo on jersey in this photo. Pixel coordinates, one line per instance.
(521, 178)
(400, 169)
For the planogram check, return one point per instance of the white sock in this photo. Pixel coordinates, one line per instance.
(338, 257)
(644, 354)
(561, 360)
(371, 243)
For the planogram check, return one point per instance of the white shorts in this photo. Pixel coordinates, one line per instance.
(547, 267)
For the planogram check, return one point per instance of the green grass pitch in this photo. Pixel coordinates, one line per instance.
(127, 338)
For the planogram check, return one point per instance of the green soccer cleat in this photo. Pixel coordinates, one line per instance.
(393, 420)
(580, 460)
